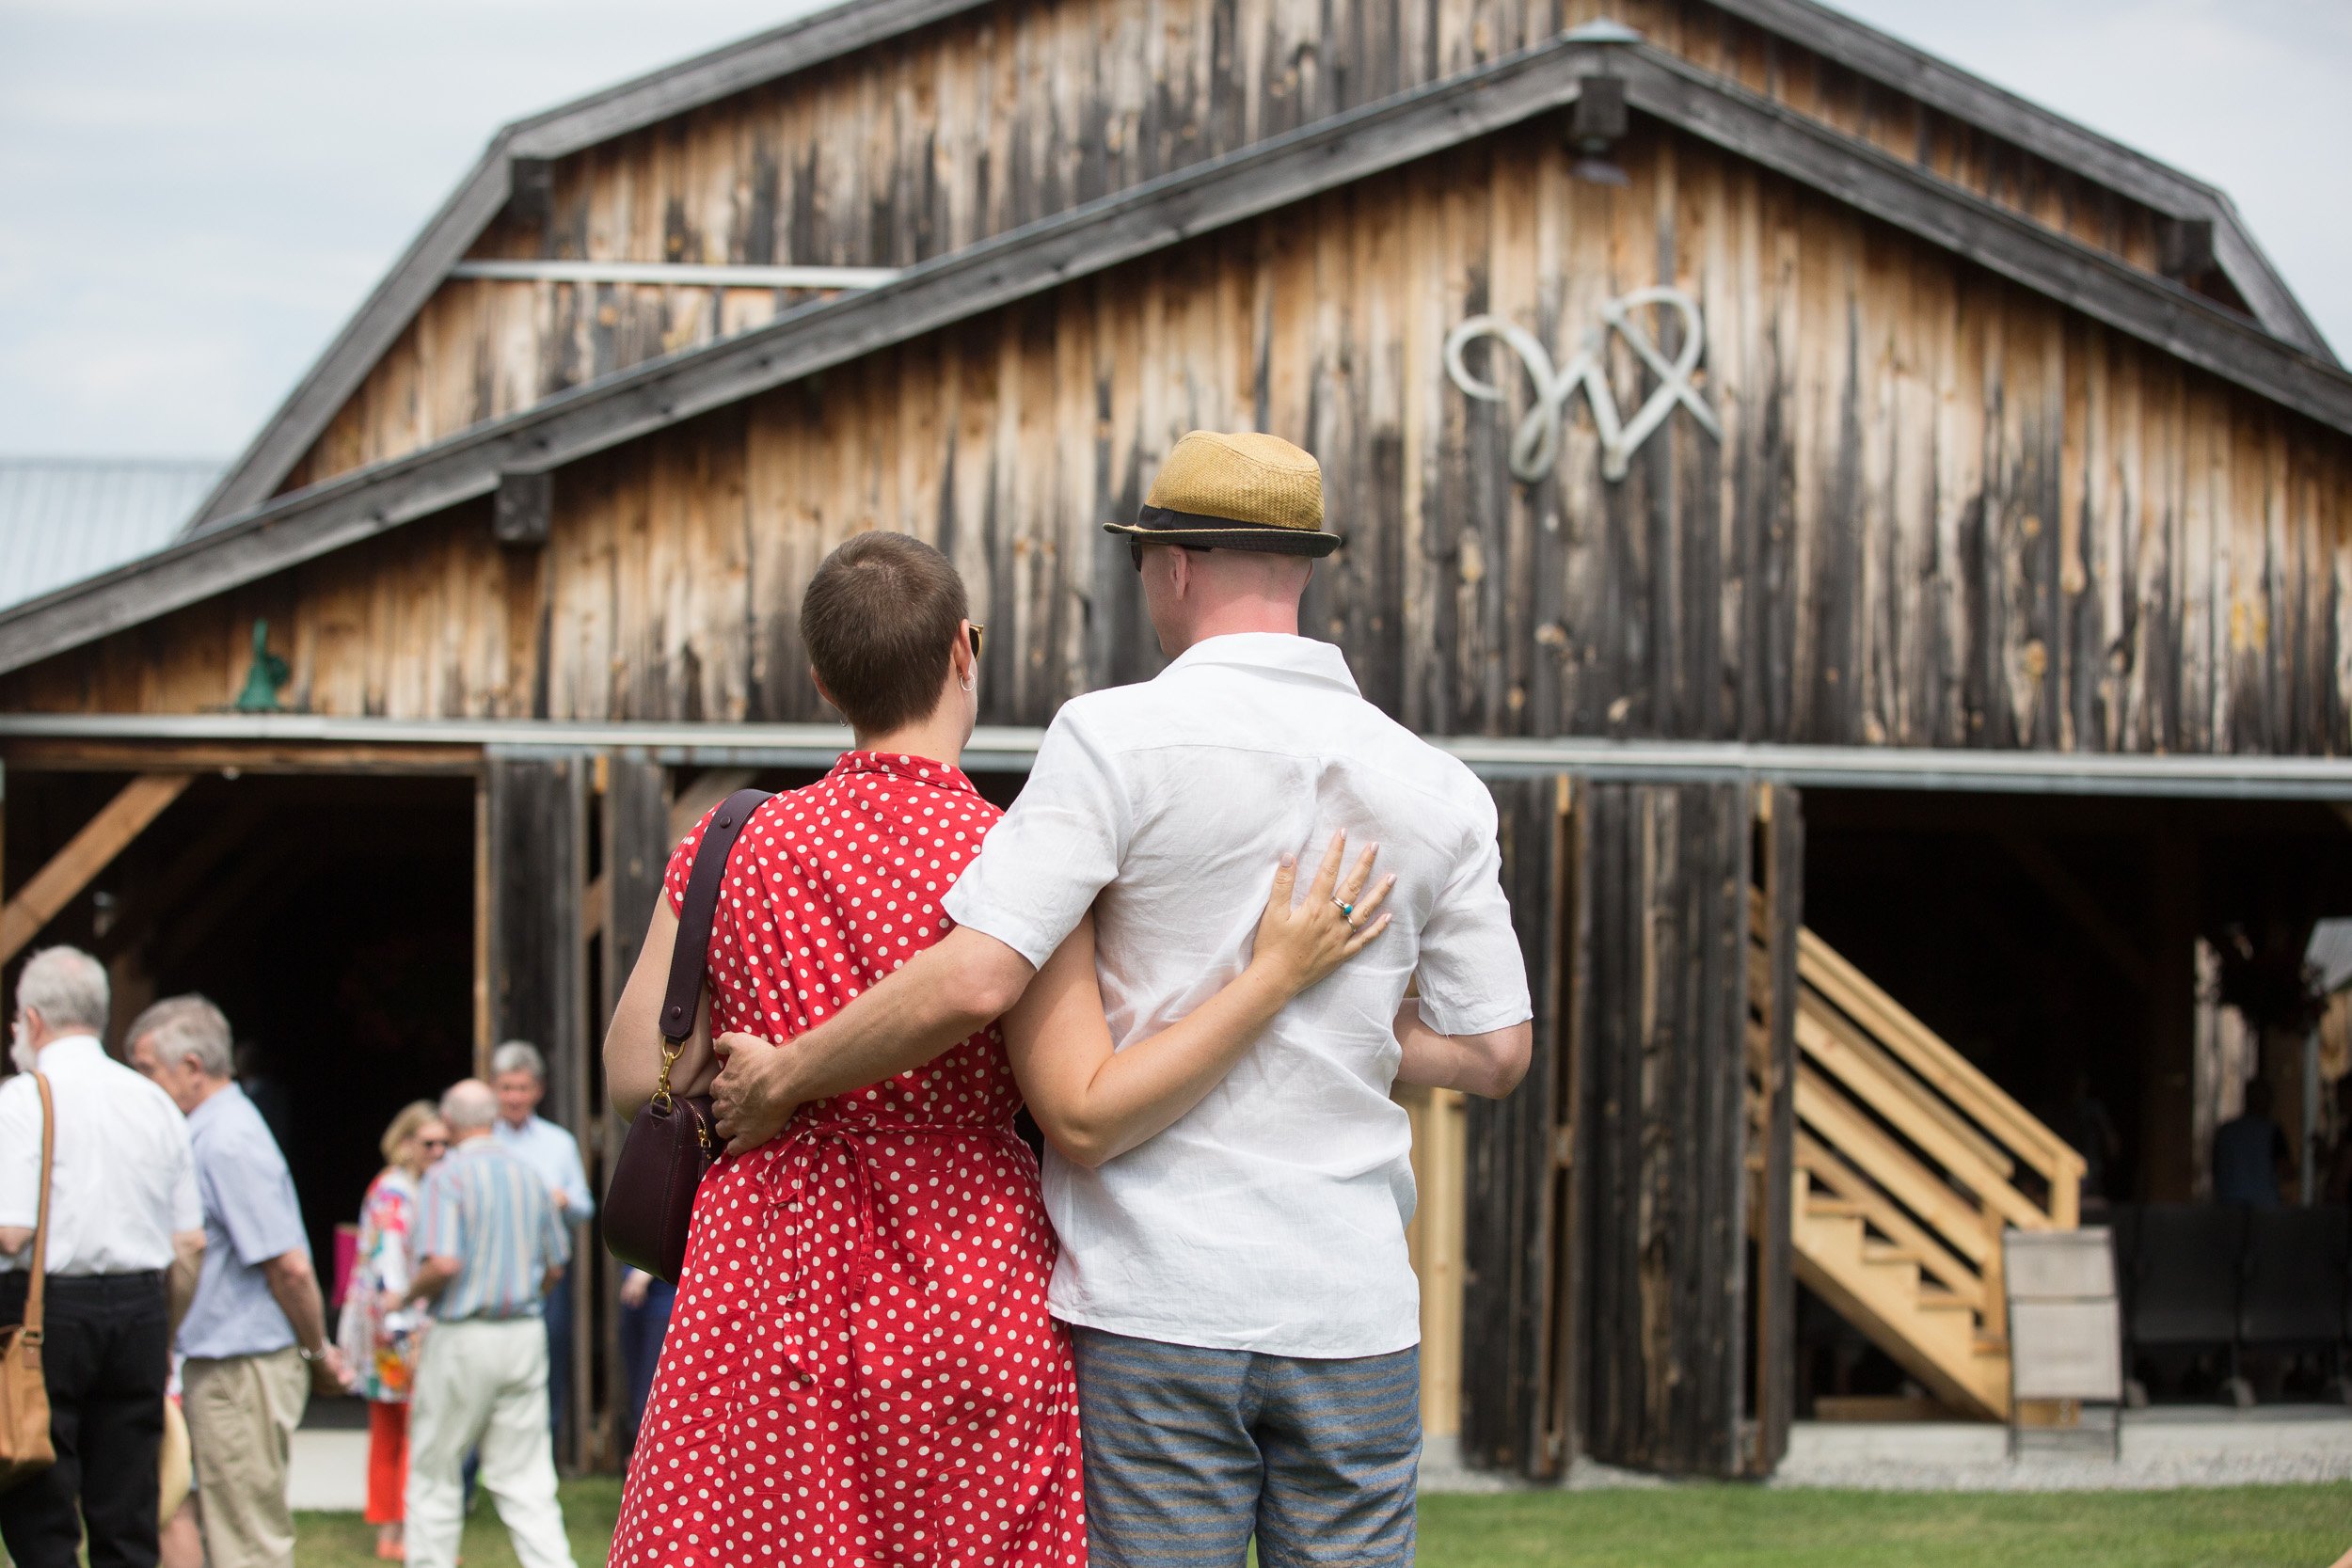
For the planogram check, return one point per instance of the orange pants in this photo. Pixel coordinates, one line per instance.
(387, 1462)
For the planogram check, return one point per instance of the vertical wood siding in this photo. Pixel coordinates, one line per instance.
(1660, 1147)
(1944, 513)
(1512, 1263)
(974, 127)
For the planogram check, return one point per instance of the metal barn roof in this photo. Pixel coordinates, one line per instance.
(66, 519)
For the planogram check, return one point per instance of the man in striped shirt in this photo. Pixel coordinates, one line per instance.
(489, 1245)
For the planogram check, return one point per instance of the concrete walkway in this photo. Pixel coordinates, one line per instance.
(2168, 1446)
(2164, 1447)
(328, 1471)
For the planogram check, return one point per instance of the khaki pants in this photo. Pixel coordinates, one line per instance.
(242, 1413)
(483, 1384)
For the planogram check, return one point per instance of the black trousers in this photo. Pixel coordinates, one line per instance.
(106, 1356)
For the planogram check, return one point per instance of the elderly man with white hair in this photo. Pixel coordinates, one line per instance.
(518, 1076)
(489, 1243)
(255, 1339)
(124, 1232)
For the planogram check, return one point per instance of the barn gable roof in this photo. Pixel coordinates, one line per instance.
(573, 127)
(1145, 219)
(833, 34)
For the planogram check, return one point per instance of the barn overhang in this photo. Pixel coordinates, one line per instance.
(1150, 217)
(298, 742)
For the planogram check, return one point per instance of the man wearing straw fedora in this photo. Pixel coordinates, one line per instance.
(1246, 1320)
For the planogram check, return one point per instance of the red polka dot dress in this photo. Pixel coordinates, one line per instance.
(859, 1371)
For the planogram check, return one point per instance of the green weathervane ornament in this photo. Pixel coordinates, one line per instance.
(263, 677)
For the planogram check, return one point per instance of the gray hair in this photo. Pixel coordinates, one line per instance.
(67, 986)
(518, 1056)
(469, 1106)
(186, 1026)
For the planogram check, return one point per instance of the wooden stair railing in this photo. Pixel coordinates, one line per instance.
(1909, 1165)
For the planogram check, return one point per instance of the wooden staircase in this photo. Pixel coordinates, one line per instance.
(1908, 1165)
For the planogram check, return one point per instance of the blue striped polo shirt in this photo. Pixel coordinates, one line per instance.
(490, 1212)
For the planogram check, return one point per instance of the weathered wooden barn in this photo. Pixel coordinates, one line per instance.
(1890, 549)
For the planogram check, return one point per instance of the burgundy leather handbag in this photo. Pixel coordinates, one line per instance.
(650, 1203)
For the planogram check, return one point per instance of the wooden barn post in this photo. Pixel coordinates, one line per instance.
(1509, 1289)
(635, 852)
(538, 856)
(1773, 1069)
(536, 845)
(634, 822)
(1661, 1142)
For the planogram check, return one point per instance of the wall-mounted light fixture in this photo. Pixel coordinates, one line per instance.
(1599, 120)
(1595, 127)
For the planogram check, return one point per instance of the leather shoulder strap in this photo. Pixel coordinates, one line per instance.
(685, 996)
(37, 1288)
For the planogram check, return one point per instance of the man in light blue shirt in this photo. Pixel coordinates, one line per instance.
(488, 1241)
(518, 1075)
(255, 1336)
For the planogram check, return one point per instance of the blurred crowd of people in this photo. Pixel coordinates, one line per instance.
(185, 1326)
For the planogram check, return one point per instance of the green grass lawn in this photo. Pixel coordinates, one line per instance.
(1696, 1526)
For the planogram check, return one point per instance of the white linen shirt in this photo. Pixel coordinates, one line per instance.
(124, 1180)
(1271, 1217)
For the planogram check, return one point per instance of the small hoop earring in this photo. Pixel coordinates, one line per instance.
(966, 685)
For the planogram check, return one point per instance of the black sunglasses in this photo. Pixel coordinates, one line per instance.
(978, 631)
(1135, 550)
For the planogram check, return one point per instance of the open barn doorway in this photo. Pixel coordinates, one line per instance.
(2113, 977)
(332, 917)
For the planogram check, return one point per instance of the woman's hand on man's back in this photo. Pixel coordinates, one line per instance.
(1303, 940)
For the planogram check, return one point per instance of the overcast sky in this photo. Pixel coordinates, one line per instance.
(194, 194)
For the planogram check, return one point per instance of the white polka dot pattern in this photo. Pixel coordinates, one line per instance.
(860, 1369)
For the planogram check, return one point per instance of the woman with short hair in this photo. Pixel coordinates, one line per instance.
(861, 1367)
(379, 1333)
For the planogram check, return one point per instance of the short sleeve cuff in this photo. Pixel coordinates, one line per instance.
(1481, 1018)
(256, 1246)
(1024, 937)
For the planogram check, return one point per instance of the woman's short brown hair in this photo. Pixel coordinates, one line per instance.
(880, 619)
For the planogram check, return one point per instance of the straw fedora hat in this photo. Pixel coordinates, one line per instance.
(1236, 492)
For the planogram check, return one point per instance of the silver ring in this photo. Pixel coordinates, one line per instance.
(1347, 910)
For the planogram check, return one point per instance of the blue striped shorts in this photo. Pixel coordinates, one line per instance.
(1188, 1451)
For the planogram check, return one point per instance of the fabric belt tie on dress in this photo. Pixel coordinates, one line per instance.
(790, 1182)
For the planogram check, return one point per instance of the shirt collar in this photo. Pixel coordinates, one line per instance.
(216, 1103)
(67, 1048)
(928, 770)
(472, 1146)
(1277, 651)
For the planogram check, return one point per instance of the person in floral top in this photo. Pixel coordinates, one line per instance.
(379, 1335)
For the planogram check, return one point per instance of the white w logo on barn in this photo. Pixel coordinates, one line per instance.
(1535, 445)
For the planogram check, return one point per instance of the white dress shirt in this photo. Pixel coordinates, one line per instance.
(1271, 1217)
(123, 1181)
